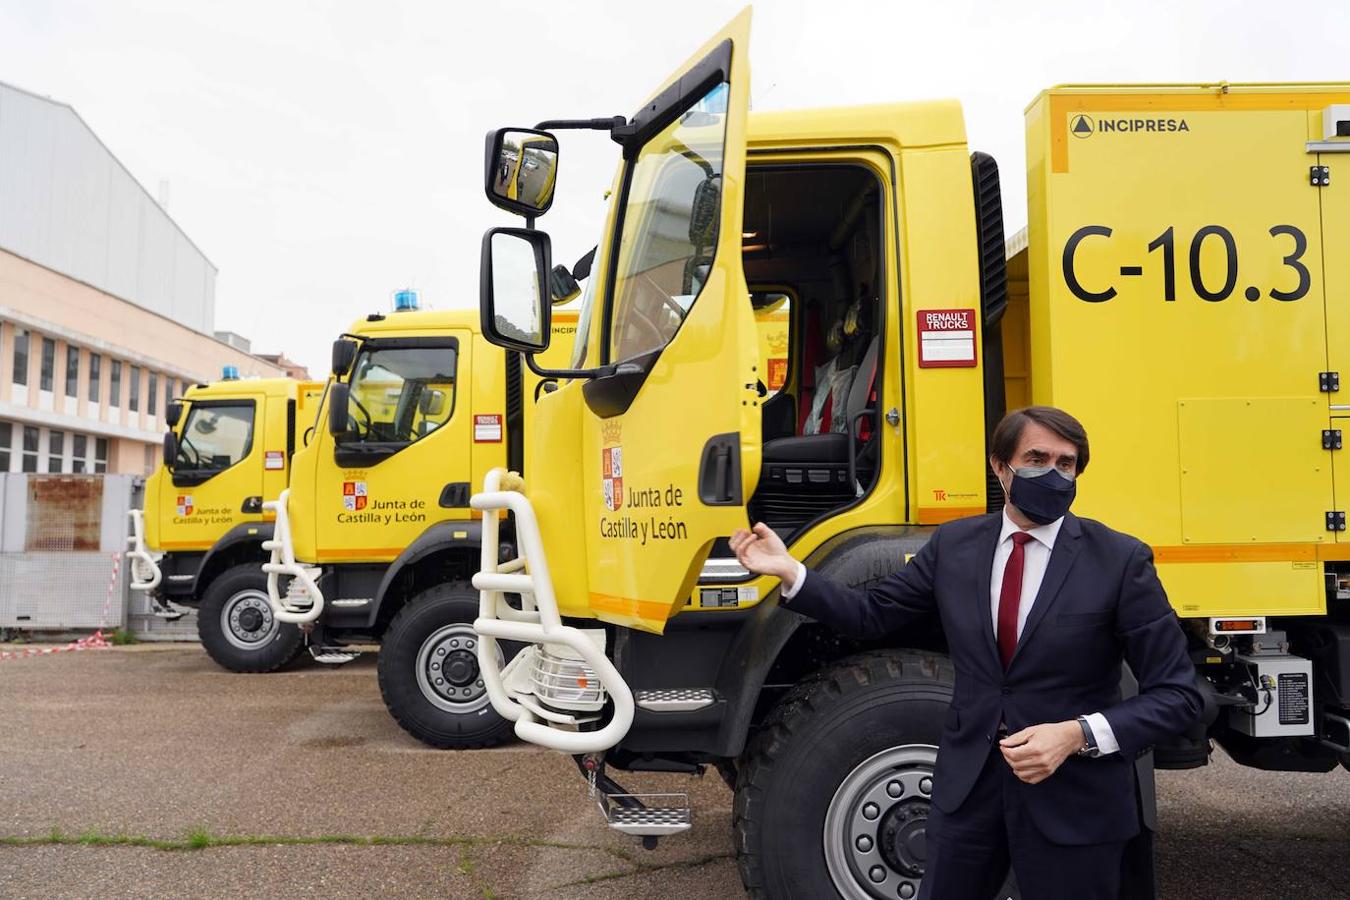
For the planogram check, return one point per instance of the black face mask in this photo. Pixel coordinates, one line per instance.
(1042, 493)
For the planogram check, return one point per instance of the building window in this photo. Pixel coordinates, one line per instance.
(152, 400)
(134, 401)
(48, 371)
(30, 448)
(79, 446)
(115, 383)
(95, 363)
(72, 370)
(20, 356)
(56, 449)
(168, 394)
(100, 455)
(6, 441)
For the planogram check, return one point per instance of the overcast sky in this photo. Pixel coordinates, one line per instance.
(325, 154)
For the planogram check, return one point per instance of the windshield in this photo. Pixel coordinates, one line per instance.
(214, 437)
(671, 212)
(399, 395)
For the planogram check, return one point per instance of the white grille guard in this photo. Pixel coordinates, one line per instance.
(145, 572)
(537, 622)
(303, 585)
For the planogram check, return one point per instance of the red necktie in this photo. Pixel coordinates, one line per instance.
(1010, 598)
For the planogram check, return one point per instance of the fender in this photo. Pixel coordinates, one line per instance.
(243, 533)
(441, 536)
(857, 558)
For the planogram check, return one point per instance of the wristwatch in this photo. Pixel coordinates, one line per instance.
(1089, 748)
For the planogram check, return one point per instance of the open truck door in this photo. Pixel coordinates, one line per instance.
(668, 423)
(671, 438)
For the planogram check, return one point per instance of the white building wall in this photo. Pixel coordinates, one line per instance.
(69, 205)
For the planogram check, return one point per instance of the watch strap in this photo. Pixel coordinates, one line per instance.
(1089, 747)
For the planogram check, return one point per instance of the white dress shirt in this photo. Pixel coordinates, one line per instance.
(1035, 558)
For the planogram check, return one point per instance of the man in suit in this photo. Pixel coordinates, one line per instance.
(1040, 608)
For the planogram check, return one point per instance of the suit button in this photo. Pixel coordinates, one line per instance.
(989, 738)
(1007, 691)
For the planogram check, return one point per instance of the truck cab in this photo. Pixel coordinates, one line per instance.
(198, 539)
(375, 541)
(1170, 311)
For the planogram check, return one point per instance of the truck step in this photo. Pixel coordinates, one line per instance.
(674, 699)
(166, 611)
(333, 656)
(658, 815)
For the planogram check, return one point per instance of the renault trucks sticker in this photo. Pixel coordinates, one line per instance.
(946, 338)
(487, 429)
(354, 495)
(274, 459)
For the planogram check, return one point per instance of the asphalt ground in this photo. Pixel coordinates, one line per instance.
(146, 771)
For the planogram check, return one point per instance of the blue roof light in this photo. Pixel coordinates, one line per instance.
(406, 301)
(230, 373)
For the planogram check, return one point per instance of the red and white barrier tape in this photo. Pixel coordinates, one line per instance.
(95, 641)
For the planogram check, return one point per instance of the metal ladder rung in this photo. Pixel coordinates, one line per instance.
(674, 699)
(660, 814)
(333, 656)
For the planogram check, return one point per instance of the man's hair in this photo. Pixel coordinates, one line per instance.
(1008, 432)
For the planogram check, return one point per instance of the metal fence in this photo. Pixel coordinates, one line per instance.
(61, 539)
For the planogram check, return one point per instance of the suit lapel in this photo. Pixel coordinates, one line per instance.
(984, 573)
(1061, 560)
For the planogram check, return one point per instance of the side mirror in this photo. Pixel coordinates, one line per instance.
(338, 397)
(432, 404)
(170, 449)
(513, 286)
(344, 354)
(172, 413)
(522, 168)
(561, 285)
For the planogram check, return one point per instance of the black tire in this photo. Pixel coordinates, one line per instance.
(444, 710)
(235, 624)
(880, 713)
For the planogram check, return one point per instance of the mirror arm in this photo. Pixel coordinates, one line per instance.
(600, 372)
(602, 124)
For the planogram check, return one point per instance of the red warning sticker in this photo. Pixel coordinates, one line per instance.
(274, 459)
(946, 338)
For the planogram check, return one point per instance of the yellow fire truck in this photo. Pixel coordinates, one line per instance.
(1178, 289)
(198, 540)
(374, 538)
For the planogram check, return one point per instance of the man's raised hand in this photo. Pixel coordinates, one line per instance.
(762, 552)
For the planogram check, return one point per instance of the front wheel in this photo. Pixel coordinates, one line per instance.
(429, 671)
(236, 625)
(833, 793)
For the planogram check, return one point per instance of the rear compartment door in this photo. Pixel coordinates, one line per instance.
(671, 440)
(1335, 210)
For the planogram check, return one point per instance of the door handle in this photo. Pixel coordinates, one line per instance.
(251, 505)
(719, 471)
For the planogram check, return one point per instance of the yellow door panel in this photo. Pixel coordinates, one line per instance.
(682, 408)
(410, 419)
(1335, 206)
(1253, 470)
(222, 444)
(1200, 590)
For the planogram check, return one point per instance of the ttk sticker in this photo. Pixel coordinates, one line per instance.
(274, 459)
(354, 495)
(611, 467)
(185, 504)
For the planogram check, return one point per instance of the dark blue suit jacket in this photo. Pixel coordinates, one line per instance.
(1100, 603)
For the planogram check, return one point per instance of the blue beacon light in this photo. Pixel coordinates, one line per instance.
(406, 301)
(230, 373)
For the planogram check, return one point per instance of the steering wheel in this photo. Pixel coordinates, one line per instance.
(185, 443)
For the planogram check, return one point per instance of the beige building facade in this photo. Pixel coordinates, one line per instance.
(107, 307)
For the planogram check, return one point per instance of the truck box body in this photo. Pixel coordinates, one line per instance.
(1186, 298)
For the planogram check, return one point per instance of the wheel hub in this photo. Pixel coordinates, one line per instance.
(246, 620)
(903, 839)
(447, 669)
(876, 825)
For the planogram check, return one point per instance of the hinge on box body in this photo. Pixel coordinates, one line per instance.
(1328, 382)
(1335, 520)
(1319, 176)
(1331, 439)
